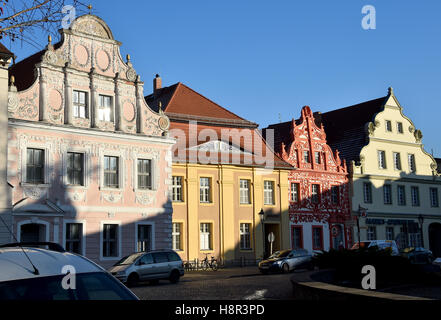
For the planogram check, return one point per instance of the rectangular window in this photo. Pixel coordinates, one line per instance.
(205, 192)
(317, 157)
(35, 166)
(397, 161)
(205, 236)
(295, 187)
(315, 190)
(80, 109)
(245, 236)
(144, 174)
(317, 238)
(110, 240)
(111, 172)
(306, 157)
(399, 127)
(75, 169)
(382, 159)
(411, 161)
(434, 202)
(297, 237)
(105, 109)
(401, 195)
(144, 237)
(372, 233)
(367, 192)
(74, 234)
(387, 194)
(177, 189)
(268, 192)
(176, 236)
(415, 193)
(335, 195)
(390, 233)
(244, 190)
(388, 126)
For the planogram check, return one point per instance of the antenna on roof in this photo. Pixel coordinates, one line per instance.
(36, 272)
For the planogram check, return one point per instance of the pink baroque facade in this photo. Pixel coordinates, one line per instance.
(89, 162)
(319, 208)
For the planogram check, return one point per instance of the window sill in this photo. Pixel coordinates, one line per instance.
(110, 189)
(39, 185)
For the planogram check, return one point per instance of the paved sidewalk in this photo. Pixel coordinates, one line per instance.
(232, 272)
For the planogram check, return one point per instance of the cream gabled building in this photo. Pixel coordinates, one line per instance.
(393, 177)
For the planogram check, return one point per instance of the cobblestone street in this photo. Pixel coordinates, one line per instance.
(224, 284)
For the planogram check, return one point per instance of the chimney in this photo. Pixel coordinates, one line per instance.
(157, 84)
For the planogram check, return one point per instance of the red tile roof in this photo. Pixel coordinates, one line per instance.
(182, 105)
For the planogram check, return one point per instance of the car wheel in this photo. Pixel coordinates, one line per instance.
(132, 280)
(285, 268)
(174, 277)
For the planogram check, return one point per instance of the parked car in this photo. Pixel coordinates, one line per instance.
(418, 255)
(153, 266)
(286, 261)
(381, 244)
(29, 271)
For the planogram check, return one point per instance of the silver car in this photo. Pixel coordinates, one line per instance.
(286, 261)
(152, 266)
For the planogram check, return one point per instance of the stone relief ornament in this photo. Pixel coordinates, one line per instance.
(91, 27)
(145, 198)
(418, 135)
(164, 123)
(50, 57)
(131, 74)
(75, 196)
(12, 101)
(35, 192)
(411, 129)
(112, 197)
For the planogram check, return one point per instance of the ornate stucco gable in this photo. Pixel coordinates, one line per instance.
(393, 132)
(86, 59)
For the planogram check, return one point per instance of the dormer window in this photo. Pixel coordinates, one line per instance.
(80, 109)
(105, 109)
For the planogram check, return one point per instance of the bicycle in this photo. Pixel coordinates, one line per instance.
(188, 266)
(207, 264)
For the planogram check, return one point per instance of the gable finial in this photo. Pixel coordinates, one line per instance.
(90, 8)
(390, 91)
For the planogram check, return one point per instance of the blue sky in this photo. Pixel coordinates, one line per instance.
(260, 59)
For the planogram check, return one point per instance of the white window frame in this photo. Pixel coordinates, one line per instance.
(100, 109)
(367, 199)
(244, 191)
(176, 187)
(382, 159)
(371, 233)
(87, 104)
(205, 190)
(177, 234)
(206, 236)
(121, 168)
(397, 161)
(415, 197)
(388, 196)
(388, 125)
(119, 236)
(47, 164)
(295, 192)
(269, 191)
(315, 193)
(403, 201)
(434, 197)
(400, 129)
(145, 223)
(83, 235)
(244, 234)
(411, 162)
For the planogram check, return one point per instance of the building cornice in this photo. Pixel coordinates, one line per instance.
(90, 132)
(432, 180)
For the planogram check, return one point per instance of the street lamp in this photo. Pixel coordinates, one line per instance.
(421, 221)
(262, 219)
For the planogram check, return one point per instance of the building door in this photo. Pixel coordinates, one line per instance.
(33, 232)
(435, 239)
(144, 237)
(337, 236)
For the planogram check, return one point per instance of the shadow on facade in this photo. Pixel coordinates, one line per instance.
(62, 213)
(411, 220)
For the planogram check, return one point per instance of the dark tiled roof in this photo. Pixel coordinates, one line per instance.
(345, 127)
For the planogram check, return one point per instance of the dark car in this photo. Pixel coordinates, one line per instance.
(418, 255)
(286, 261)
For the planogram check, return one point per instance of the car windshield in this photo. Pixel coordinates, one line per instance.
(280, 254)
(129, 259)
(88, 286)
